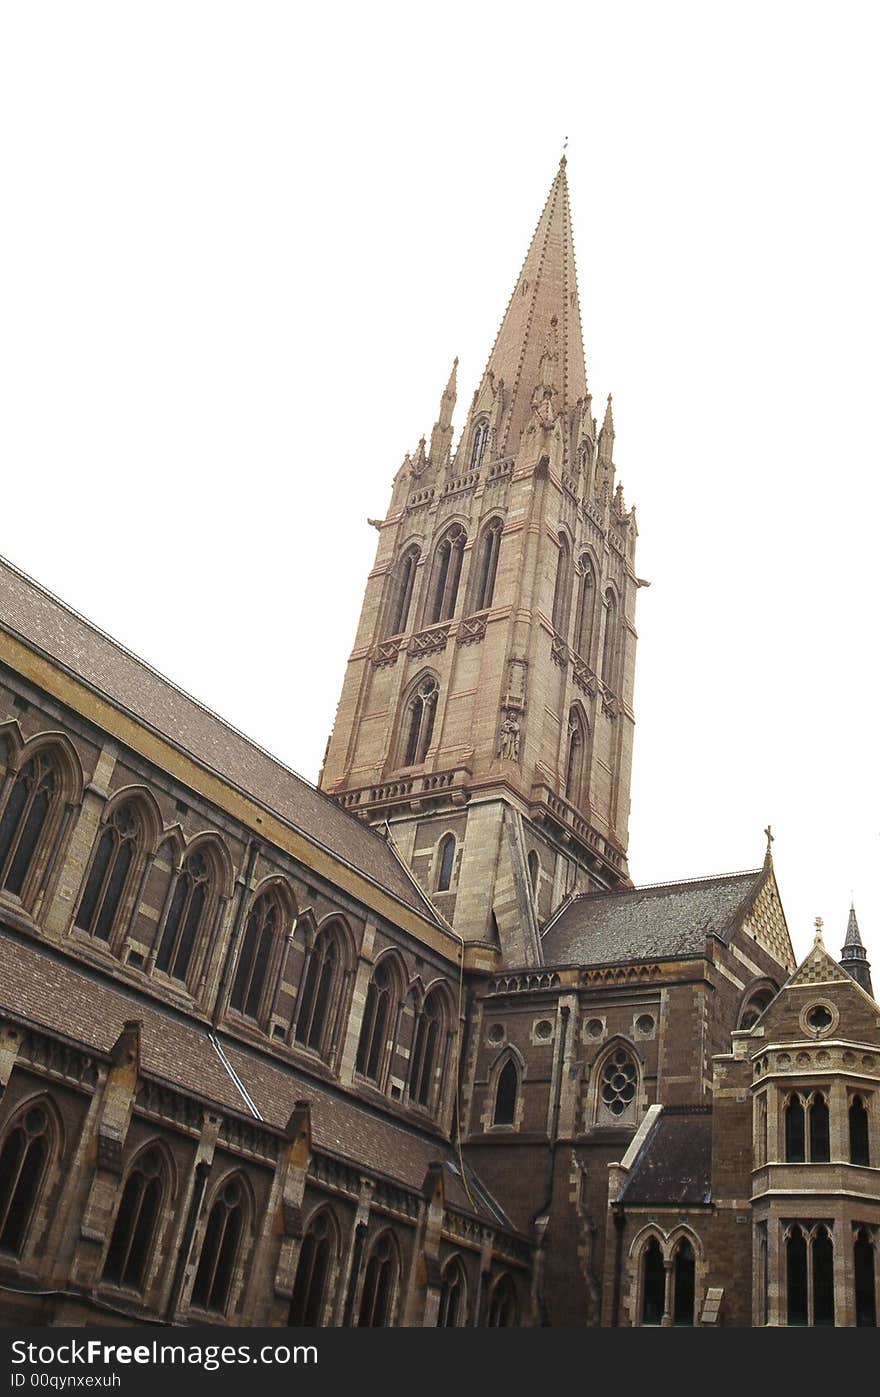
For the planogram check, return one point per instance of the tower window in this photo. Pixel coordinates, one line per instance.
(487, 565)
(22, 1163)
(506, 1093)
(447, 863)
(820, 1134)
(795, 1132)
(796, 1276)
(583, 630)
(447, 574)
(534, 864)
(684, 1281)
(478, 443)
(419, 722)
(865, 1285)
(403, 592)
(136, 1220)
(562, 590)
(220, 1249)
(609, 646)
(574, 762)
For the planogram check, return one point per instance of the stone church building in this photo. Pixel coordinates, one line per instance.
(411, 1048)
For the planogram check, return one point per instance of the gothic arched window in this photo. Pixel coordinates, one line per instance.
(574, 758)
(379, 1280)
(684, 1282)
(312, 1273)
(260, 937)
(419, 718)
(478, 443)
(609, 645)
(23, 1157)
(823, 1277)
(452, 1312)
(425, 1056)
(404, 583)
(502, 1306)
(865, 1284)
(377, 1022)
(112, 864)
(795, 1130)
(820, 1134)
(534, 865)
(28, 815)
(562, 590)
(186, 916)
(583, 629)
(447, 863)
(506, 1092)
(653, 1283)
(447, 574)
(487, 565)
(320, 993)
(796, 1276)
(136, 1220)
(220, 1246)
(618, 1082)
(859, 1148)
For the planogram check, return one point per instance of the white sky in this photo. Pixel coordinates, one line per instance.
(240, 246)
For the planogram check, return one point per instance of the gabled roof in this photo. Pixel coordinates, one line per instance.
(650, 923)
(40, 989)
(46, 625)
(674, 1165)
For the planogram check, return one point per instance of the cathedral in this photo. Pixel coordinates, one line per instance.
(411, 1048)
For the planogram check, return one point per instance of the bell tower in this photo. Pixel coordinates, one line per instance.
(486, 713)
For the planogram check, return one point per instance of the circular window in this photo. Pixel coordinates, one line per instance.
(618, 1082)
(496, 1033)
(645, 1024)
(819, 1019)
(543, 1029)
(595, 1028)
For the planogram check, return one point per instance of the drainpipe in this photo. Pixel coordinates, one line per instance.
(220, 1001)
(202, 1171)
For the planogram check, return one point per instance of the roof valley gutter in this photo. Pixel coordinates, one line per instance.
(234, 1077)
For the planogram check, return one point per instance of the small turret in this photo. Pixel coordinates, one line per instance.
(441, 437)
(854, 957)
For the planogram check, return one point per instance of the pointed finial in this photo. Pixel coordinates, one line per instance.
(564, 149)
(770, 837)
(817, 939)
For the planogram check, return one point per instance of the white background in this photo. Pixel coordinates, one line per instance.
(240, 246)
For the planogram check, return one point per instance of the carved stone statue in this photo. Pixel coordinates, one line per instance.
(508, 740)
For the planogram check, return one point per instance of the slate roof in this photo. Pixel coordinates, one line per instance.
(652, 923)
(674, 1165)
(47, 625)
(45, 991)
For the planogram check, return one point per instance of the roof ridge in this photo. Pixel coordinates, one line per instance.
(184, 693)
(671, 883)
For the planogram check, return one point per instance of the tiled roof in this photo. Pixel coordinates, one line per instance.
(41, 988)
(661, 922)
(675, 1163)
(46, 624)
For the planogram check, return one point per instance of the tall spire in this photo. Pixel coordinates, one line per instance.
(441, 437)
(540, 336)
(854, 957)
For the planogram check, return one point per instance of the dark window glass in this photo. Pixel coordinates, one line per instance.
(478, 444)
(653, 1283)
(583, 635)
(109, 872)
(423, 1059)
(487, 566)
(796, 1275)
(22, 1161)
(374, 1028)
(447, 861)
(795, 1137)
(256, 955)
(820, 1136)
(307, 1302)
(404, 590)
(866, 1293)
(502, 1308)
(317, 995)
(562, 590)
(823, 1278)
(376, 1295)
(447, 574)
(859, 1148)
(618, 1085)
(420, 722)
(135, 1225)
(28, 806)
(184, 921)
(505, 1095)
(451, 1312)
(609, 647)
(219, 1250)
